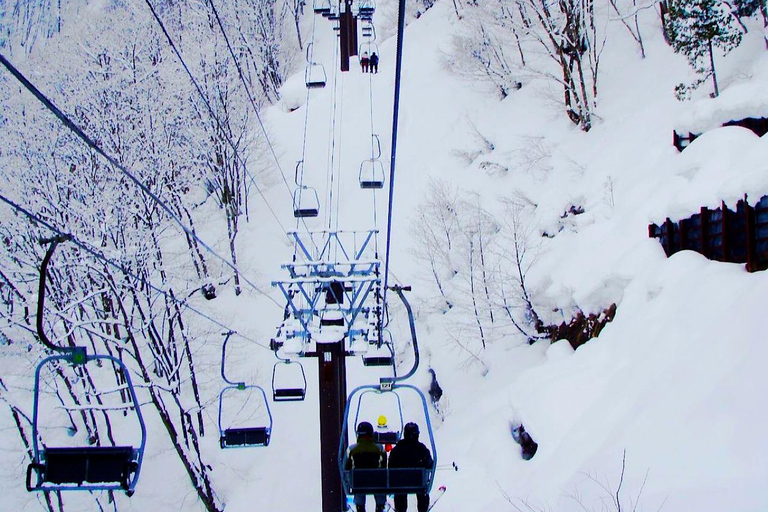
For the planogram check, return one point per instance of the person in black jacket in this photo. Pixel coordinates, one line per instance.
(374, 63)
(366, 454)
(524, 439)
(409, 452)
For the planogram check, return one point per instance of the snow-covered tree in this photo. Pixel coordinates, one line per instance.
(505, 39)
(695, 28)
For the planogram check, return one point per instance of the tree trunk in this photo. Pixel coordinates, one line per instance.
(764, 11)
(712, 67)
(472, 289)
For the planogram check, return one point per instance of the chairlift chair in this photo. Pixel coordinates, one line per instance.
(381, 352)
(322, 6)
(371, 174)
(306, 203)
(297, 388)
(81, 468)
(368, 47)
(314, 76)
(241, 437)
(386, 480)
(314, 73)
(366, 7)
(378, 356)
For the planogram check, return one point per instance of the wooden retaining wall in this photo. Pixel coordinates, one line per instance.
(739, 236)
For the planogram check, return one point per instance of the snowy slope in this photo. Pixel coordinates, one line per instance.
(675, 379)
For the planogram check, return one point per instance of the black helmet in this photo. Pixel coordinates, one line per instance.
(411, 431)
(364, 429)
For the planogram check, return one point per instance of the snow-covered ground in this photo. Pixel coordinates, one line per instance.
(672, 388)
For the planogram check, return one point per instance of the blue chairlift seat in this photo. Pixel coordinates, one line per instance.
(388, 481)
(243, 437)
(80, 465)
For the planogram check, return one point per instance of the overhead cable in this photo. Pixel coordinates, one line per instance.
(119, 267)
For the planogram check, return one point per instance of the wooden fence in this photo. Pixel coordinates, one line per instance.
(758, 125)
(722, 234)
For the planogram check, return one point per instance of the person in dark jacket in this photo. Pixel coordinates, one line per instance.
(374, 62)
(409, 452)
(435, 391)
(526, 442)
(366, 454)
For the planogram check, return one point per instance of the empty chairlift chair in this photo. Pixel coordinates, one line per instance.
(83, 467)
(314, 74)
(378, 356)
(306, 203)
(380, 353)
(372, 170)
(243, 430)
(365, 9)
(371, 174)
(289, 382)
(322, 6)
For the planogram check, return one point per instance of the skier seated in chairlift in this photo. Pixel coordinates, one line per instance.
(374, 63)
(366, 454)
(409, 452)
(364, 60)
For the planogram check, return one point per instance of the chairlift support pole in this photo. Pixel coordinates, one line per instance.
(332, 387)
(345, 16)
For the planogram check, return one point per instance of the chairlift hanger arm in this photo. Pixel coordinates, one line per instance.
(77, 353)
(223, 359)
(389, 381)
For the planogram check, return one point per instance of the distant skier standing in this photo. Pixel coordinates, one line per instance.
(409, 452)
(364, 61)
(374, 63)
(366, 454)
